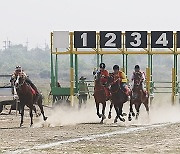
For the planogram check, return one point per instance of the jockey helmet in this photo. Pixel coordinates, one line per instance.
(137, 67)
(18, 68)
(115, 67)
(102, 65)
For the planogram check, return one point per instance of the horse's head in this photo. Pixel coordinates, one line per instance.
(114, 85)
(137, 79)
(19, 81)
(111, 78)
(97, 76)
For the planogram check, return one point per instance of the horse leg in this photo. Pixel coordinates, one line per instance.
(31, 115)
(146, 106)
(103, 112)
(97, 108)
(41, 108)
(137, 106)
(117, 113)
(22, 115)
(131, 111)
(111, 105)
(80, 101)
(34, 108)
(120, 113)
(10, 110)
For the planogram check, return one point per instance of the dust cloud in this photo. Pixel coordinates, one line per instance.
(161, 111)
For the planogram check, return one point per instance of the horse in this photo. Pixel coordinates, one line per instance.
(138, 97)
(118, 98)
(99, 96)
(27, 97)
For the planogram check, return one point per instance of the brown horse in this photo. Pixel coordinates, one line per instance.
(138, 97)
(99, 96)
(118, 98)
(27, 98)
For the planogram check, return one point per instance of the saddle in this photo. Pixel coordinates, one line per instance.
(32, 90)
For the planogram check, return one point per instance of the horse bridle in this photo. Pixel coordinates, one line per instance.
(17, 84)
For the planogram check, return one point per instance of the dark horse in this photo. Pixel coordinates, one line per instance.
(138, 97)
(118, 98)
(27, 98)
(99, 96)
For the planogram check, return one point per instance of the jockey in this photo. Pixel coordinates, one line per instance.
(119, 76)
(18, 70)
(104, 74)
(142, 80)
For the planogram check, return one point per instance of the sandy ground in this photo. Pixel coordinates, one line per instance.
(69, 130)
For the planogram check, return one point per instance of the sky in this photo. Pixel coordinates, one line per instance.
(33, 20)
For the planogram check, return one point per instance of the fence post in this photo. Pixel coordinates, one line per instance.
(173, 86)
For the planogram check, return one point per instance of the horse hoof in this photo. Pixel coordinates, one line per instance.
(129, 118)
(122, 119)
(115, 120)
(99, 115)
(104, 117)
(21, 125)
(109, 116)
(45, 118)
(101, 122)
(38, 114)
(124, 114)
(133, 114)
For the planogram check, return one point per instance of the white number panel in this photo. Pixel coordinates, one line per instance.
(110, 39)
(136, 39)
(161, 39)
(85, 39)
(61, 39)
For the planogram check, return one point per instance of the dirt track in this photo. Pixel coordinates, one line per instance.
(81, 131)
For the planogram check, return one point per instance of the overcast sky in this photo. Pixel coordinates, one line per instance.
(35, 19)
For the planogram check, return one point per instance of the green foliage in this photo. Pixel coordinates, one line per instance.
(32, 61)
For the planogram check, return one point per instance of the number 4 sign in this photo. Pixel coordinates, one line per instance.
(161, 39)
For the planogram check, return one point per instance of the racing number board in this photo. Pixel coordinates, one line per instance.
(161, 39)
(110, 39)
(133, 39)
(178, 39)
(136, 39)
(85, 39)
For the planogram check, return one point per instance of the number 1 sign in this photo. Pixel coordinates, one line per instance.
(85, 39)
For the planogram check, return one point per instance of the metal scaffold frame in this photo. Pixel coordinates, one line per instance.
(74, 52)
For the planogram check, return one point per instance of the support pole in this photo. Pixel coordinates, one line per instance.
(148, 79)
(101, 58)
(97, 64)
(126, 64)
(173, 86)
(71, 71)
(123, 67)
(56, 70)
(76, 72)
(52, 67)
